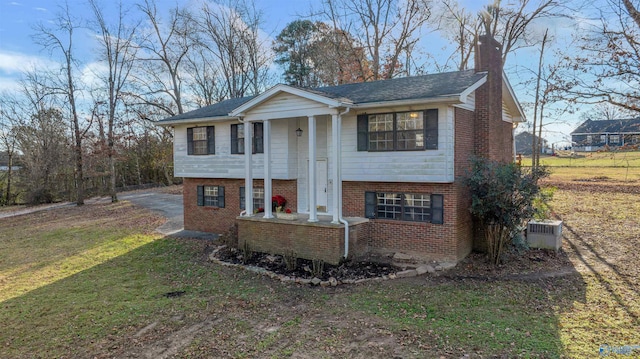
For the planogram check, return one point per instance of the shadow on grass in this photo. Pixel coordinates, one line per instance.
(97, 309)
(614, 292)
(480, 315)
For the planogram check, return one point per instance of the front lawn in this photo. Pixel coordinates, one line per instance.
(95, 281)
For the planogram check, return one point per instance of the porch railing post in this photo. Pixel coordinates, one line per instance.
(266, 136)
(313, 212)
(248, 171)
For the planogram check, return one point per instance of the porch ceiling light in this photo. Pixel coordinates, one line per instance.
(299, 132)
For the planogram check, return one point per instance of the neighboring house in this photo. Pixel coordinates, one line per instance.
(387, 161)
(524, 142)
(596, 135)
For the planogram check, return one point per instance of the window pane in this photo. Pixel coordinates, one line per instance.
(409, 121)
(410, 140)
(211, 191)
(389, 205)
(379, 123)
(240, 131)
(417, 207)
(200, 134)
(200, 147)
(381, 141)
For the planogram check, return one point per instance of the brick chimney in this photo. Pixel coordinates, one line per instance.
(493, 137)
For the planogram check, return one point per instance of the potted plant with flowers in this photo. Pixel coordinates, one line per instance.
(278, 203)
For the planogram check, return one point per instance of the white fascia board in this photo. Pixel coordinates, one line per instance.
(472, 88)
(453, 99)
(265, 96)
(193, 121)
(512, 100)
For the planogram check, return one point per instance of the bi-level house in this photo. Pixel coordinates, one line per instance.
(370, 168)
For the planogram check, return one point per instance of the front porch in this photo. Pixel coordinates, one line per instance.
(321, 240)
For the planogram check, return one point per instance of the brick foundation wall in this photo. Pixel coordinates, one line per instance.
(418, 239)
(219, 220)
(306, 240)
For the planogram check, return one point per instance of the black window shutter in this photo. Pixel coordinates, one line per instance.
(431, 129)
(221, 196)
(200, 195)
(234, 139)
(363, 132)
(189, 141)
(211, 140)
(370, 204)
(437, 209)
(242, 198)
(258, 140)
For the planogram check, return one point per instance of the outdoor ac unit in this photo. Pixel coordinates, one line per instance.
(545, 234)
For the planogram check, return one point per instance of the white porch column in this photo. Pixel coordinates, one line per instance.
(313, 211)
(248, 172)
(266, 139)
(335, 158)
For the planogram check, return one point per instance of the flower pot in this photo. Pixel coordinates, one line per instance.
(287, 216)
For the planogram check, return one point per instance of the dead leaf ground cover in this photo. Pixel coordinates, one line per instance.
(91, 282)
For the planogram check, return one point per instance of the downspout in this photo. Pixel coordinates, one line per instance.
(243, 213)
(339, 186)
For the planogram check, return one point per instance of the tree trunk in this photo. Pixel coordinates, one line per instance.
(9, 173)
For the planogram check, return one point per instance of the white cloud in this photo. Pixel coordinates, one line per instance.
(13, 3)
(15, 62)
(40, 9)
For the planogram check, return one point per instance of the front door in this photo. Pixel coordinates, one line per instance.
(322, 177)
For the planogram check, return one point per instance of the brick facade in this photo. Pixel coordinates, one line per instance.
(219, 220)
(323, 241)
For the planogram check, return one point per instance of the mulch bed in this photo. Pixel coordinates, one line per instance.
(305, 268)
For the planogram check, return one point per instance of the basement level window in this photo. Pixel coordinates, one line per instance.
(413, 207)
(258, 198)
(211, 196)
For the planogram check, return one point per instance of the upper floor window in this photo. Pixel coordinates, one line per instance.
(237, 138)
(398, 131)
(201, 141)
(211, 196)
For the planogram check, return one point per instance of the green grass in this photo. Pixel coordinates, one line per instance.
(616, 166)
(81, 282)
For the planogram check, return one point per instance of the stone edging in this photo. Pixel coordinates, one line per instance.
(332, 282)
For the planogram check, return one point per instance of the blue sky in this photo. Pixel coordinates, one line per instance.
(18, 52)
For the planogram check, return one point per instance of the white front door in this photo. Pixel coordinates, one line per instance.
(322, 176)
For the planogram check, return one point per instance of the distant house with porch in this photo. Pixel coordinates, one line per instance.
(596, 135)
(370, 168)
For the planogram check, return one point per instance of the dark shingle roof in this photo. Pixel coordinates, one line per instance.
(603, 126)
(406, 88)
(219, 109)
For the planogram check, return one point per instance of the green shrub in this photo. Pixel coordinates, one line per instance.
(502, 199)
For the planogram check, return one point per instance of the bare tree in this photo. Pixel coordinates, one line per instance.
(163, 48)
(58, 40)
(386, 29)
(606, 67)
(537, 107)
(461, 27)
(230, 33)
(10, 114)
(118, 52)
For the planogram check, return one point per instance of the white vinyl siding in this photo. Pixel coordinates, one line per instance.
(226, 165)
(399, 166)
